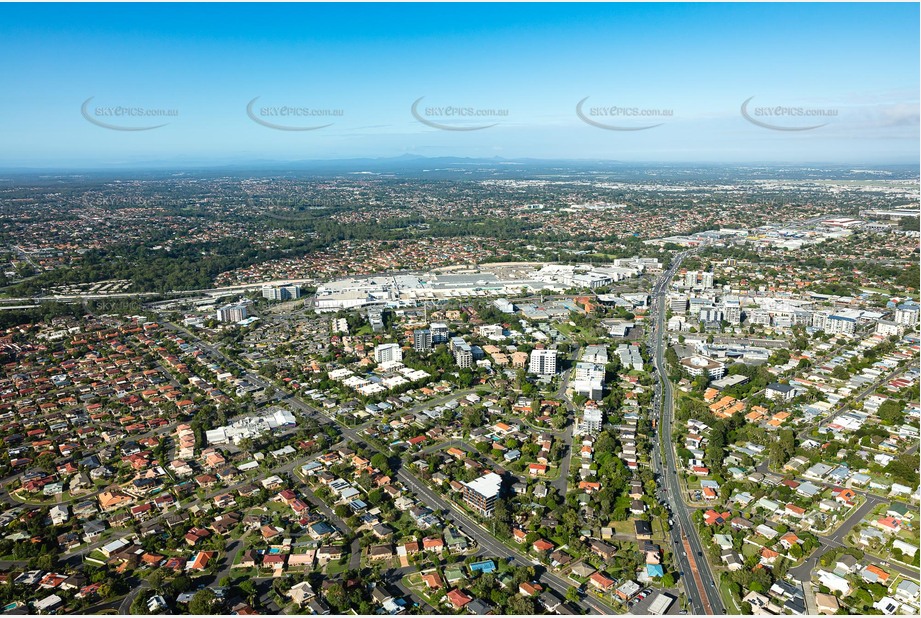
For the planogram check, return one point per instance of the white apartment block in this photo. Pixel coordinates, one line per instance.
(589, 371)
(463, 357)
(887, 328)
(732, 310)
(387, 352)
(439, 332)
(700, 365)
(592, 420)
(233, 313)
(422, 340)
(592, 389)
(595, 354)
(907, 314)
(543, 362)
(838, 324)
(285, 292)
(694, 278)
(678, 303)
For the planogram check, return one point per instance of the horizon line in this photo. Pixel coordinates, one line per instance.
(300, 164)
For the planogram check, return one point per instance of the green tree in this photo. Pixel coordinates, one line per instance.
(139, 605)
(380, 462)
(203, 603)
(890, 412)
(249, 590)
(181, 583)
(156, 579)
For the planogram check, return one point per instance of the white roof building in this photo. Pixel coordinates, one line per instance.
(487, 485)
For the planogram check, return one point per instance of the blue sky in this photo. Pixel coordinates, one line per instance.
(697, 63)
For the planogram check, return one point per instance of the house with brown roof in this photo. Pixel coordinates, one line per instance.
(527, 589)
(602, 549)
(788, 540)
(768, 556)
(600, 582)
(435, 544)
(248, 559)
(112, 500)
(274, 562)
(542, 546)
(380, 552)
(329, 552)
(458, 599)
(194, 536)
(432, 580)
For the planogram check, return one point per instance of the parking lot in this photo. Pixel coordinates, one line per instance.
(642, 608)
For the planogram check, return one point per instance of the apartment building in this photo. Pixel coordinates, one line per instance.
(387, 352)
(481, 493)
(422, 340)
(543, 362)
(233, 313)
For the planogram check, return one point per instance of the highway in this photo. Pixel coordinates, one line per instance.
(702, 590)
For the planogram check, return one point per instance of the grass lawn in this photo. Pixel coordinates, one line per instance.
(414, 582)
(553, 473)
(558, 540)
(244, 574)
(335, 567)
(277, 507)
(624, 527)
(728, 599)
(658, 530)
(97, 555)
(42, 500)
(564, 327)
(238, 558)
(749, 550)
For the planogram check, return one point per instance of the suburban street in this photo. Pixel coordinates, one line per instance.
(453, 514)
(492, 546)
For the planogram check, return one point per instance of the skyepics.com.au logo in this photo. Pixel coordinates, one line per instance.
(290, 117)
(456, 117)
(125, 117)
(617, 118)
(785, 118)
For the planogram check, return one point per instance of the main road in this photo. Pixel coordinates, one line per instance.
(699, 583)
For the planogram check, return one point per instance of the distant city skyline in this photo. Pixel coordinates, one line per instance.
(238, 83)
